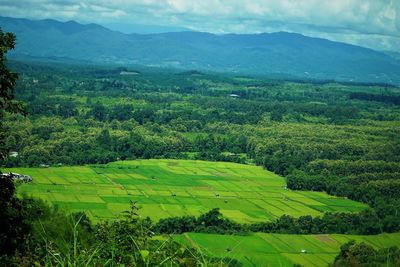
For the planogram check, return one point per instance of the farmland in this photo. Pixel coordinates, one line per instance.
(279, 249)
(165, 188)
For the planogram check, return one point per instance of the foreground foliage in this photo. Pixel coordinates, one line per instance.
(32, 233)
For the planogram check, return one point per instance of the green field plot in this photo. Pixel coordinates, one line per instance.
(279, 249)
(177, 187)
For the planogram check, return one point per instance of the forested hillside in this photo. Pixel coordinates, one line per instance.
(274, 54)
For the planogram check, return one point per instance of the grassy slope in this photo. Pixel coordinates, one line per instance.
(243, 193)
(280, 250)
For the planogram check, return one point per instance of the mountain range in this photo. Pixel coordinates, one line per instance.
(257, 54)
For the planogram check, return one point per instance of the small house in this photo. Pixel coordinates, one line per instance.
(17, 176)
(13, 154)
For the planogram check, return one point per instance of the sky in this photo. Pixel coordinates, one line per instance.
(369, 23)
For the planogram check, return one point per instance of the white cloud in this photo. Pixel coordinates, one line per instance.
(372, 23)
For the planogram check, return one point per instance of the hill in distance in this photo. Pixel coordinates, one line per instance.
(255, 54)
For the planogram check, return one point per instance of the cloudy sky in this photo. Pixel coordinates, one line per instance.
(369, 23)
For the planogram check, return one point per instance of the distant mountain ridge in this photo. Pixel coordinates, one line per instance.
(129, 28)
(259, 54)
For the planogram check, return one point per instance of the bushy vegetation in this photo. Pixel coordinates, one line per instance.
(353, 254)
(210, 222)
(363, 223)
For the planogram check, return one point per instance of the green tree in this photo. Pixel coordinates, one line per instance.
(99, 111)
(13, 227)
(7, 83)
(353, 254)
(104, 138)
(7, 77)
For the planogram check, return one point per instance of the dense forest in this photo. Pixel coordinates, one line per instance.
(322, 136)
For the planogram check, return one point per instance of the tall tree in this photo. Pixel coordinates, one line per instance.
(12, 226)
(7, 83)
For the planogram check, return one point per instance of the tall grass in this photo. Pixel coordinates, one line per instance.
(127, 242)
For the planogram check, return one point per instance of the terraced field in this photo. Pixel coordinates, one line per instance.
(280, 250)
(167, 188)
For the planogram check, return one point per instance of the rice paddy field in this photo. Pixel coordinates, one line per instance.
(165, 188)
(279, 249)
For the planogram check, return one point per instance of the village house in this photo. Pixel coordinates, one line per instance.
(17, 176)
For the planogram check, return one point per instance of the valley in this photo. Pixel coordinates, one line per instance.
(124, 163)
